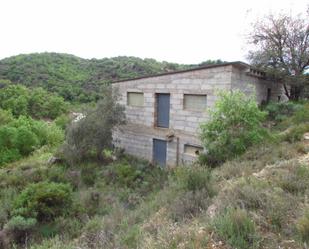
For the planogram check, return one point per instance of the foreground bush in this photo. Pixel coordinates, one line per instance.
(236, 228)
(44, 201)
(235, 124)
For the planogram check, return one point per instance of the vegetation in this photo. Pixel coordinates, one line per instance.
(93, 133)
(282, 50)
(64, 186)
(77, 79)
(122, 202)
(237, 229)
(36, 102)
(21, 136)
(235, 124)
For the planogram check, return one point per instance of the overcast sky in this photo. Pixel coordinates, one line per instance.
(183, 31)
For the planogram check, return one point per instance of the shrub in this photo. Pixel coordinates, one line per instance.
(44, 201)
(301, 115)
(235, 124)
(302, 226)
(278, 111)
(237, 229)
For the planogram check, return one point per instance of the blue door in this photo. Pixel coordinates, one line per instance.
(159, 151)
(163, 110)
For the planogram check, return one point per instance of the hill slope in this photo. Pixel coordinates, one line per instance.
(76, 78)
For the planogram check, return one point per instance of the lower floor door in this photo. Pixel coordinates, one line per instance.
(159, 151)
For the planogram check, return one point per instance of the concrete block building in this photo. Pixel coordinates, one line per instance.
(164, 111)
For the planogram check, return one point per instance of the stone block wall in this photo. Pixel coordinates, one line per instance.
(243, 81)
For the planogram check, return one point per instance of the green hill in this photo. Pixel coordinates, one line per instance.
(74, 78)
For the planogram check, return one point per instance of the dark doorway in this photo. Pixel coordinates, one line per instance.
(268, 95)
(159, 151)
(163, 110)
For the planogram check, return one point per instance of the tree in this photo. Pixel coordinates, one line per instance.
(235, 124)
(281, 48)
(93, 133)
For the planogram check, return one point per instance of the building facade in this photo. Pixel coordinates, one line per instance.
(164, 111)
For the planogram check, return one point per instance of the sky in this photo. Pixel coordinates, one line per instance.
(182, 31)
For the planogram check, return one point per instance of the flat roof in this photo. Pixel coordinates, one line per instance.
(234, 63)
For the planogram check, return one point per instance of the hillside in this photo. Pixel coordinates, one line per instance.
(76, 78)
(256, 200)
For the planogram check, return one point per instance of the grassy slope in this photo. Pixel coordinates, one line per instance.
(269, 181)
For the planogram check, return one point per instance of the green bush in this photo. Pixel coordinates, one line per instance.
(278, 111)
(237, 229)
(235, 124)
(44, 201)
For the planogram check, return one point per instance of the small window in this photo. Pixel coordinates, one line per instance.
(194, 102)
(193, 150)
(135, 99)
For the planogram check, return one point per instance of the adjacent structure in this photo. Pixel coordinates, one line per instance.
(164, 111)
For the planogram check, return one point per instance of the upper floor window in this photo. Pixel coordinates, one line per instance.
(135, 99)
(194, 102)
